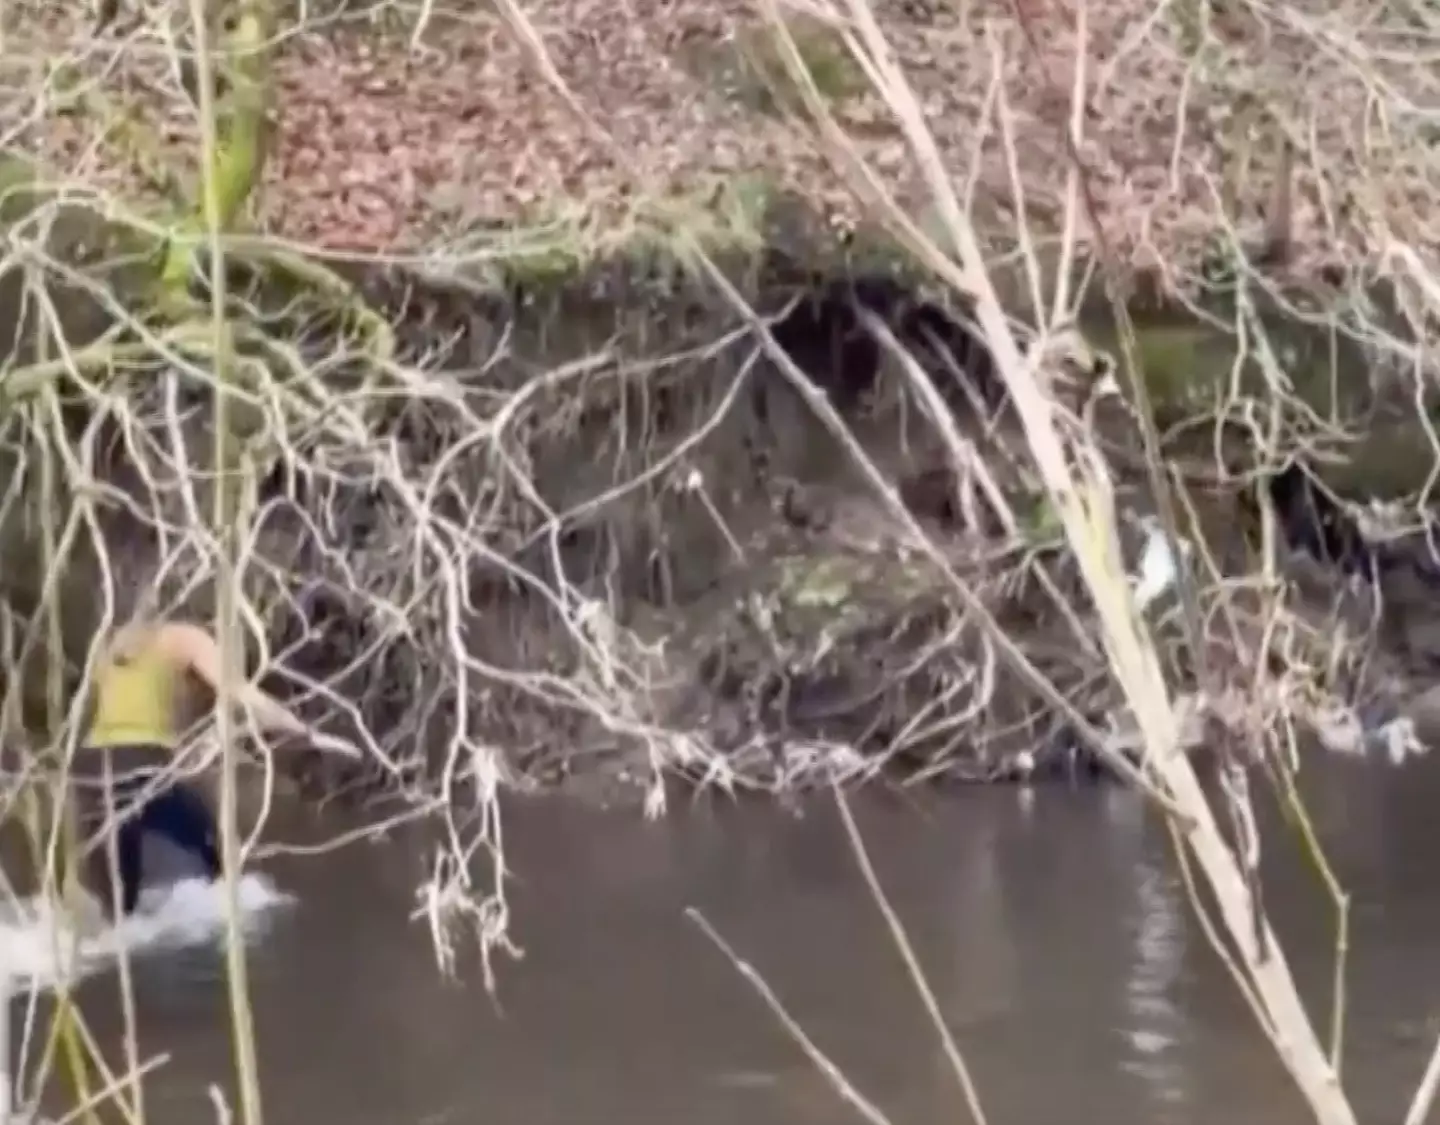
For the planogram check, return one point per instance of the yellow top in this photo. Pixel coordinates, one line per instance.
(135, 700)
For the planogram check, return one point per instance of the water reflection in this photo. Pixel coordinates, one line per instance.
(1156, 1029)
(1057, 939)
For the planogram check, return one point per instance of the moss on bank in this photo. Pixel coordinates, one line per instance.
(754, 71)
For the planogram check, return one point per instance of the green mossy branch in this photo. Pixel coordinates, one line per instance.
(242, 127)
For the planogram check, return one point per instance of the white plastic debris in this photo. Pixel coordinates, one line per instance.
(1022, 765)
(1399, 741)
(1158, 566)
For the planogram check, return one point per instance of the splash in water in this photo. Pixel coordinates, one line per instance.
(41, 945)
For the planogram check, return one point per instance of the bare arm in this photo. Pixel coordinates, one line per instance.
(195, 649)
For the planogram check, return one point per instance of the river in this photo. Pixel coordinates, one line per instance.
(1052, 924)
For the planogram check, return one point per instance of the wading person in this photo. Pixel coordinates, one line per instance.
(124, 775)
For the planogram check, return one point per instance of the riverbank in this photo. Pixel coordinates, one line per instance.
(530, 493)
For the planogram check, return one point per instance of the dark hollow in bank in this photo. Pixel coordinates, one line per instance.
(826, 334)
(1313, 521)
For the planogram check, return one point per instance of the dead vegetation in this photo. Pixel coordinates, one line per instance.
(519, 455)
(1253, 119)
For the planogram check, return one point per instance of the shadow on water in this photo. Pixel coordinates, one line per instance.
(1053, 925)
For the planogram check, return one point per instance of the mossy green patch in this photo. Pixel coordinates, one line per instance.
(824, 583)
(721, 216)
(755, 69)
(18, 189)
(1191, 364)
(1378, 446)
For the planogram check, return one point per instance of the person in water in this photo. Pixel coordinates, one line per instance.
(124, 772)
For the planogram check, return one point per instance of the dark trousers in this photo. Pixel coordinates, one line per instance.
(124, 791)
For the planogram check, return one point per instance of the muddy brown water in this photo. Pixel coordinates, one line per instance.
(1052, 924)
